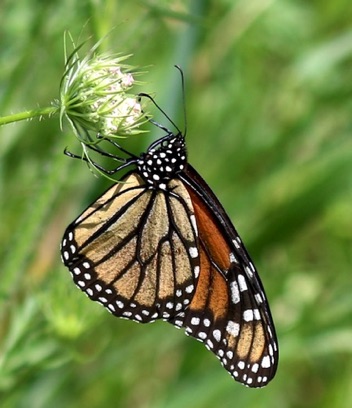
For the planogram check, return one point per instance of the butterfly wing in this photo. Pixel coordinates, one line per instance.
(134, 250)
(146, 254)
(229, 311)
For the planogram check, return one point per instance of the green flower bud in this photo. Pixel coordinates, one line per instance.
(96, 97)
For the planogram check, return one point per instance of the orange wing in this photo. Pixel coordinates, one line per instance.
(229, 311)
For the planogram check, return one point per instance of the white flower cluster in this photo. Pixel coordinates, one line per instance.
(95, 96)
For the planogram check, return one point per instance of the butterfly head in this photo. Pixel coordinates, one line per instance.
(163, 160)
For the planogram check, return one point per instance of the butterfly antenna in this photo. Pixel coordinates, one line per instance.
(183, 98)
(144, 95)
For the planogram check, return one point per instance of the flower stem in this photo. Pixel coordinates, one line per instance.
(30, 114)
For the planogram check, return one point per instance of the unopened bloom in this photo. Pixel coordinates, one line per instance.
(96, 97)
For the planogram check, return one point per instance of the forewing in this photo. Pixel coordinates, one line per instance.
(134, 250)
(229, 311)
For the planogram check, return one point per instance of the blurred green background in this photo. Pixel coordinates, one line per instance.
(268, 92)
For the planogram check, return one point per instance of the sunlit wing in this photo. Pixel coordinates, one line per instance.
(135, 250)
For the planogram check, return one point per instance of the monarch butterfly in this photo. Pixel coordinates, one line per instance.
(159, 245)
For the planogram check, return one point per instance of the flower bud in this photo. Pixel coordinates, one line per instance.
(96, 97)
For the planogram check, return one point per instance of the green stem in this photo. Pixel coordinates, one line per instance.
(16, 117)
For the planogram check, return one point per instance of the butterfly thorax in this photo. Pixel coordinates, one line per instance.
(163, 161)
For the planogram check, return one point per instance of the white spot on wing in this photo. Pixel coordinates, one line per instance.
(236, 244)
(111, 307)
(256, 314)
(189, 289)
(194, 223)
(235, 294)
(242, 283)
(266, 362)
(210, 344)
(249, 272)
(206, 322)
(248, 315)
(202, 335)
(241, 365)
(76, 271)
(233, 259)
(217, 335)
(178, 307)
(193, 251)
(233, 328)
